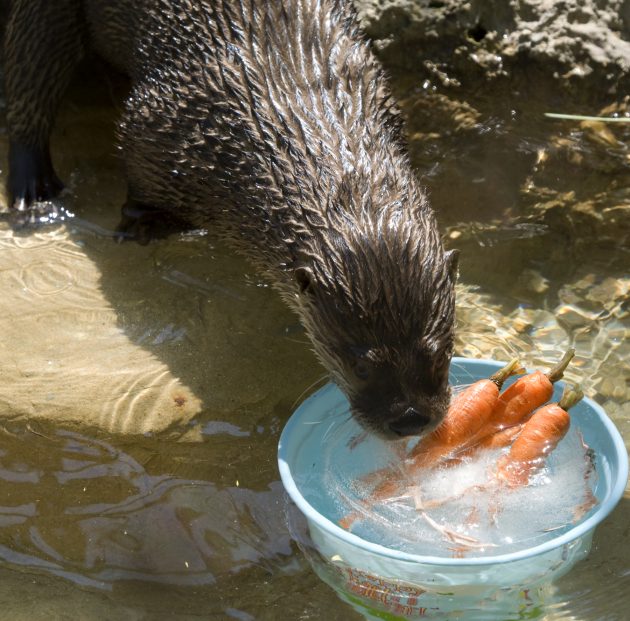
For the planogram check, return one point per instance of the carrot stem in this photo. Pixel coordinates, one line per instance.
(570, 396)
(557, 372)
(511, 368)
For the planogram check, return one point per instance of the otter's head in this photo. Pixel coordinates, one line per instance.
(378, 303)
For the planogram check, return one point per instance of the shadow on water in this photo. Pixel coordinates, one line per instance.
(165, 502)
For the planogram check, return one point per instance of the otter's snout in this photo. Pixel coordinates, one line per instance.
(411, 422)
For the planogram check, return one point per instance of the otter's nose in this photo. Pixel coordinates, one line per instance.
(410, 423)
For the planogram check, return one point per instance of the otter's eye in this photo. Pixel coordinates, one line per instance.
(362, 369)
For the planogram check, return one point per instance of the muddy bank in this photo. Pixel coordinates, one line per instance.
(574, 43)
(580, 46)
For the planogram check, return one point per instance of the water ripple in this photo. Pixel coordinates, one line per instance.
(115, 521)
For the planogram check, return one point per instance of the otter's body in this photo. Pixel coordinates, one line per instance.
(271, 123)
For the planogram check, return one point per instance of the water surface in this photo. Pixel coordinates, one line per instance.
(143, 388)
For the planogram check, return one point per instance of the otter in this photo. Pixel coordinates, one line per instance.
(272, 124)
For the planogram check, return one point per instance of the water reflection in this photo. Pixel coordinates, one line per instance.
(80, 508)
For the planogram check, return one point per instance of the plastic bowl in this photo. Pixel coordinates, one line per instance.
(402, 581)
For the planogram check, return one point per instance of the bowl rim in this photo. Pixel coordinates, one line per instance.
(619, 480)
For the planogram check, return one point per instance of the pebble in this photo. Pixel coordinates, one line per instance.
(573, 317)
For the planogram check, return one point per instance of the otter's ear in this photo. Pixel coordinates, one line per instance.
(452, 262)
(304, 279)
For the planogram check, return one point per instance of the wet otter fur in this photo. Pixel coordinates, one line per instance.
(272, 124)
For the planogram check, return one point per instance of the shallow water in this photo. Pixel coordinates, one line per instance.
(144, 388)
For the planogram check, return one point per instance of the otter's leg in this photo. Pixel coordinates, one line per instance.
(142, 223)
(44, 42)
(154, 196)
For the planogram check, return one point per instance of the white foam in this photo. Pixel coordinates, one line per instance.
(464, 510)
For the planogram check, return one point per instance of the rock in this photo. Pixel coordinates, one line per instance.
(609, 292)
(534, 281)
(574, 317)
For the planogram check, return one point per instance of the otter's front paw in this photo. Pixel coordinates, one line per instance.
(143, 223)
(32, 184)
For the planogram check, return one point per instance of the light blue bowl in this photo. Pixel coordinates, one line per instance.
(399, 576)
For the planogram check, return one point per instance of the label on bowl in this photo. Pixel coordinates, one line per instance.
(395, 596)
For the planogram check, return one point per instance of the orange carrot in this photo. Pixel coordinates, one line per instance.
(518, 401)
(500, 439)
(540, 435)
(468, 413)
